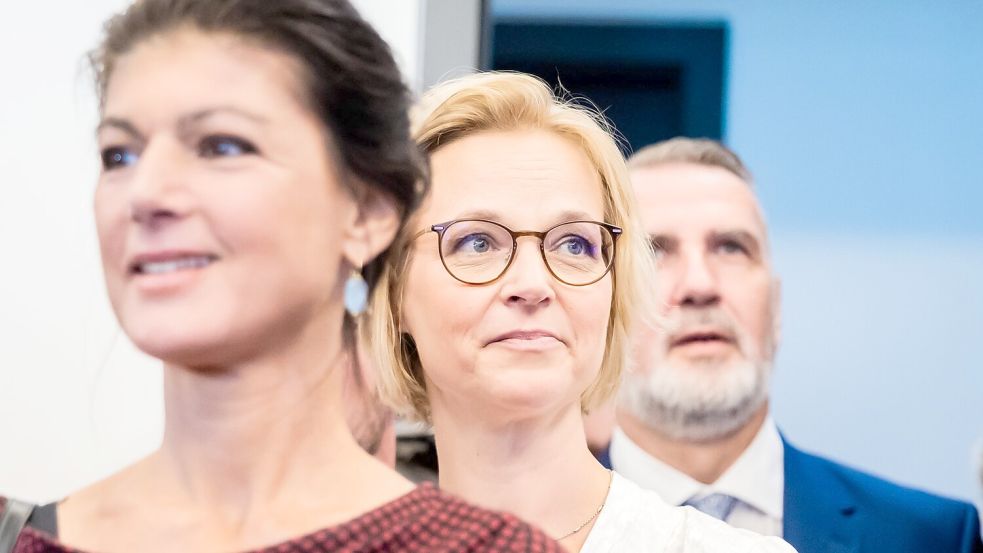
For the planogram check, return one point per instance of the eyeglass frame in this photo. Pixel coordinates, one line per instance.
(439, 228)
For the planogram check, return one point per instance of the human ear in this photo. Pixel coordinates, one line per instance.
(373, 228)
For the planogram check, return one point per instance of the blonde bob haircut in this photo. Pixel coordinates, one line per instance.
(500, 101)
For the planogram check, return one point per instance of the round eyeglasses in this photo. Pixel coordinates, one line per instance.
(476, 251)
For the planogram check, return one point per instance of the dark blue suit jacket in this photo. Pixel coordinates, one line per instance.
(831, 508)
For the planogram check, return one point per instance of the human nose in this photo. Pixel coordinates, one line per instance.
(696, 284)
(527, 282)
(157, 194)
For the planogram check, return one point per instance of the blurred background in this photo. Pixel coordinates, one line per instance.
(862, 122)
(863, 125)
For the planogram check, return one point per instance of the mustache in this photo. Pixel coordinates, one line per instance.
(685, 320)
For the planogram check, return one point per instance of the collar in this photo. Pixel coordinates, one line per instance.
(756, 478)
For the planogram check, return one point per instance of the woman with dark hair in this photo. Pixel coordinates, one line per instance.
(256, 165)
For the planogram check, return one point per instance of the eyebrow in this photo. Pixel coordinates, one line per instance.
(197, 116)
(562, 217)
(741, 236)
(668, 240)
(184, 121)
(118, 123)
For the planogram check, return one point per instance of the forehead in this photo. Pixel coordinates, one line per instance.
(530, 177)
(676, 198)
(184, 69)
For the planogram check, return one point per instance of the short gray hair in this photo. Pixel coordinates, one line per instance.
(699, 151)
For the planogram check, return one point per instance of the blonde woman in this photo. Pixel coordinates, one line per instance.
(505, 308)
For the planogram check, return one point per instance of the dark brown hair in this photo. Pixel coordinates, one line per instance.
(350, 79)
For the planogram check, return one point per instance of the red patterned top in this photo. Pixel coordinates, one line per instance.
(424, 520)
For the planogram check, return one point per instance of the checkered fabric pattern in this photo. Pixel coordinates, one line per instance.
(423, 521)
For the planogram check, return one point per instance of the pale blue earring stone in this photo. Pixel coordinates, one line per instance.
(356, 294)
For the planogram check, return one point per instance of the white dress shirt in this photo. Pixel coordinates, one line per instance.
(634, 520)
(756, 479)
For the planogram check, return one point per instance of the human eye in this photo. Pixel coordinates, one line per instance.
(732, 247)
(114, 157)
(474, 243)
(577, 246)
(215, 146)
(659, 247)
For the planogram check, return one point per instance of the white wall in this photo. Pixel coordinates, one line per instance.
(61, 379)
(76, 400)
(863, 122)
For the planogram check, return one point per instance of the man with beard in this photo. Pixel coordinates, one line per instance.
(693, 422)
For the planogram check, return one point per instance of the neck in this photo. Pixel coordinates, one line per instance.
(238, 439)
(704, 461)
(538, 468)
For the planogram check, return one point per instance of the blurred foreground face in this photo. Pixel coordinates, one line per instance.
(526, 343)
(219, 210)
(706, 373)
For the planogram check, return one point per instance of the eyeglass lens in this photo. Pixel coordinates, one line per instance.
(477, 252)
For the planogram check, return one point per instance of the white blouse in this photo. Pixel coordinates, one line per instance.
(637, 520)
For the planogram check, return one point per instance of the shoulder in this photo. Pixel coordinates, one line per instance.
(14, 509)
(871, 489)
(28, 538)
(442, 522)
(701, 532)
(908, 509)
(635, 519)
(105, 506)
(632, 519)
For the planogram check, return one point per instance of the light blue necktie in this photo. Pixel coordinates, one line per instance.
(717, 505)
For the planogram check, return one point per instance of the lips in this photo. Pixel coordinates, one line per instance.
(526, 336)
(708, 336)
(162, 263)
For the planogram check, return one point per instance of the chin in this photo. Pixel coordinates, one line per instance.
(697, 405)
(182, 350)
(533, 389)
(514, 408)
(191, 343)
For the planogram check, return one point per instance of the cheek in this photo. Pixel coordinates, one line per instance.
(648, 343)
(294, 238)
(666, 281)
(590, 312)
(766, 319)
(440, 313)
(753, 312)
(109, 209)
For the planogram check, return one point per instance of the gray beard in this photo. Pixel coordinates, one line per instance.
(685, 404)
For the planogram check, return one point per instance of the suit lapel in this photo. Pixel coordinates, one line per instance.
(604, 456)
(820, 514)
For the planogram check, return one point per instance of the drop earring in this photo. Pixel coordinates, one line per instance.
(356, 293)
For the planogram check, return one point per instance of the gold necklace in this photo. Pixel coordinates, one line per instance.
(597, 512)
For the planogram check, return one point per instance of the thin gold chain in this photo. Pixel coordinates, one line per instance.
(597, 512)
